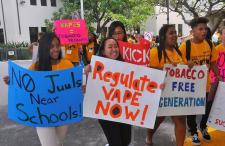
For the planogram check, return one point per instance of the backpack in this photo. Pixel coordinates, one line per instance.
(188, 49)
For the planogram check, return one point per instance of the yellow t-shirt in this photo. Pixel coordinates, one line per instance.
(220, 47)
(172, 55)
(130, 40)
(200, 55)
(63, 64)
(72, 52)
(90, 50)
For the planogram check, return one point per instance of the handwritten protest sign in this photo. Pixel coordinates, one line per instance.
(71, 31)
(146, 43)
(185, 91)
(148, 35)
(44, 98)
(122, 92)
(221, 66)
(3, 73)
(134, 53)
(217, 117)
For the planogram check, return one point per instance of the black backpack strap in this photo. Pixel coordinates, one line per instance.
(210, 44)
(211, 47)
(178, 51)
(188, 50)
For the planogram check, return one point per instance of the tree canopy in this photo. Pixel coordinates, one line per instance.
(131, 12)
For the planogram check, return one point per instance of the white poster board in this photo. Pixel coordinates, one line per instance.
(217, 117)
(148, 35)
(123, 92)
(185, 91)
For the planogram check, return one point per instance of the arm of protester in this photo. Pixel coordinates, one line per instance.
(216, 71)
(154, 60)
(190, 64)
(174, 64)
(6, 79)
(87, 69)
(83, 88)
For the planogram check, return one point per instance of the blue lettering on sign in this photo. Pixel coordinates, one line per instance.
(182, 102)
(45, 98)
(183, 86)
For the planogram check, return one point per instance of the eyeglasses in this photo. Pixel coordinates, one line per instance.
(116, 34)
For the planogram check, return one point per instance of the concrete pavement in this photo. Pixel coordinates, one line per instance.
(86, 133)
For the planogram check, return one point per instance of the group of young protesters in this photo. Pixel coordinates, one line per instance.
(197, 51)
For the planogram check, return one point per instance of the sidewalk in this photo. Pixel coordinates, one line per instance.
(86, 133)
(89, 133)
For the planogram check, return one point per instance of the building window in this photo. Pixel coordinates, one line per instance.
(180, 30)
(43, 3)
(33, 34)
(53, 3)
(2, 40)
(33, 2)
(43, 29)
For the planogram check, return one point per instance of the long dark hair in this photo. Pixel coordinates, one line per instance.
(44, 59)
(113, 26)
(102, 47)
(162, 39)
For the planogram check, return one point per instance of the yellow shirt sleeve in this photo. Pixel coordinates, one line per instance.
(32, 67)
(182, 49)
(63, 64)
(215, 54)
(154, 60)
(219, 48)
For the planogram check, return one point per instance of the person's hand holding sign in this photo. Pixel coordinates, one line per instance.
(87, 70)
(190, 64)
(162, 86)
(6, 79)
(174, 64)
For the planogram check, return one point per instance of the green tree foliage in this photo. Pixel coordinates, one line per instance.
(131, 12)
(214, 10)
(138, 14)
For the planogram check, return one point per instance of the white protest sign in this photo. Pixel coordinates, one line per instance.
(217, 117)
(122, 92)
(185, 91)
(148, 35)
(4, 72)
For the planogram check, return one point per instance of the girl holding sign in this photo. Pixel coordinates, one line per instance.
(49, 59)
(167, 52)
(117, 134)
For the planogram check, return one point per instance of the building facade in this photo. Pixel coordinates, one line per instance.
(154, 23)
(22, 20)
